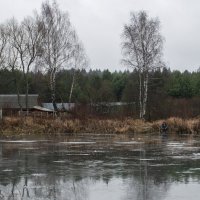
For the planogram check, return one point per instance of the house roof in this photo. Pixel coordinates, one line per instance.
(60, 106)
(10, 101)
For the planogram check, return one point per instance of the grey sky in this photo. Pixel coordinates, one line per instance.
(99, 24)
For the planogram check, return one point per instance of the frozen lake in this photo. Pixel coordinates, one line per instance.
(100, 167)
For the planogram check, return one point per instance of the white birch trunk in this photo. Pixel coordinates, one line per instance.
(140, 94)
(52, 87)
(72, 86)
(146, 80)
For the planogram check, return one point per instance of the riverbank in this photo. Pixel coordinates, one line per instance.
(30, 125)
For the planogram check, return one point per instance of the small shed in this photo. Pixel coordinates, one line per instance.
(11, 101)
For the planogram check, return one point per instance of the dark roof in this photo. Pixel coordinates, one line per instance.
(60, 106)
(10, 101)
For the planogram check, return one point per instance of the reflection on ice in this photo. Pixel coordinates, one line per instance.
(18, 141)
(163, 165)
(88, 167)
(131, 142)
(182, 157)
(194, 169)
(185, 172)
(77, 142)
(77, 154)
(59, 161)
(38, 175)
(7, 170)
(175, 144)
(135, 150)
(196, 154)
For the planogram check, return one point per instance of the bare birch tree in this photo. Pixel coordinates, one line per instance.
(142, 50)
(58, 43)
(79, 61)
(26, 39)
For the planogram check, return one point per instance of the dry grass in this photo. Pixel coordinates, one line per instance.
(30, 125)
(181, 126)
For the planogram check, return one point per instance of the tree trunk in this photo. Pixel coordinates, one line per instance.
(1, 114)
(18, 98)
(17, 88)
(140, 94)
(72, 86)
(143, 93)
(52, 88)
(27, 92)
(146, 81)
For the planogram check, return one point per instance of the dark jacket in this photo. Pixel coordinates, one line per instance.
(164, 127)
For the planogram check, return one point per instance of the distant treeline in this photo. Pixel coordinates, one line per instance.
(171, 93)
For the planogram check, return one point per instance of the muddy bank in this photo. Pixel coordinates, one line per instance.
(30, 125)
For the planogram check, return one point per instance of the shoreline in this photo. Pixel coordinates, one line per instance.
(16, 126)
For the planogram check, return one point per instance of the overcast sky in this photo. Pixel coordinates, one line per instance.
(99, 24)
